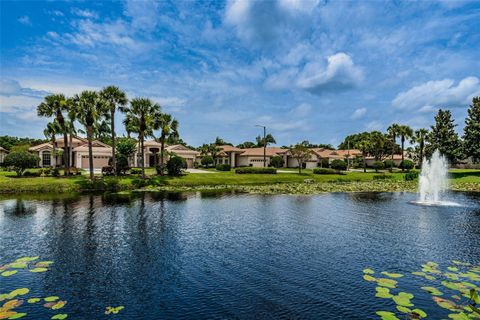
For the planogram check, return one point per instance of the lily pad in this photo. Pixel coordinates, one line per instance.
(387, 315)
(403, 299)
(18, 315)
(27, 259)
(454, 269)
(368, 277)
(8, 273)
(383, 293)
(446, 304)
(432, 290)
(36, 270)
(403, 309)
(43, 264)
(461, 263)
(51, 298)
(454, 285)
(33, 300)
(459, 316)
(419, 312)
(368, 271)
(60, 304)
(17, 265)
(114, 310)
(60, 316)
(389, 283)
(451, 276)
(392, 275)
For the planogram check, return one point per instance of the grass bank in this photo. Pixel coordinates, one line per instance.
(291, 182)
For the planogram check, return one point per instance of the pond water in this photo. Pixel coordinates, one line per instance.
(223, 256)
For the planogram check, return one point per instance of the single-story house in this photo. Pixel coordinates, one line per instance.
(397, 158)
(78, 151)
(152, 154)
(3, 154)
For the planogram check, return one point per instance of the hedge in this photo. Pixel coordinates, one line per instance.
(382, 177)
(324, 171)
(222, 167)
(249, 170)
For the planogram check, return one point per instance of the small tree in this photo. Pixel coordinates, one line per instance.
(175, 165)
(207, 161)
(378, 165)
(388, 164)
(20, 161)
(276, 162)
(406, 165)
(338, 165)
(302, 154)
(471, 130)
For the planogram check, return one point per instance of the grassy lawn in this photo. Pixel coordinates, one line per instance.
(9, 183)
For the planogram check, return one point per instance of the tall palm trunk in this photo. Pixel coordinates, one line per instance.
(143, 154)
(421, 152)
(70, 143)
(393, 152)
(364, 162)
(162, 151)
(403, 142)
(114, 159)
(66, 153)
(90, 151)
(54, 155)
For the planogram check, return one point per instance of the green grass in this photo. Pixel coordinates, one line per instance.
(468, 180)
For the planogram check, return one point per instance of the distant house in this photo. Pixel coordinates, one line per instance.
(79, 153)
(152, 154)
(397, 158)
(3, 154)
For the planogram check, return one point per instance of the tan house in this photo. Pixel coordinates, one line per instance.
(321, 154)
(78, 153)
(3, 154)
(152, 154)
(397, 158)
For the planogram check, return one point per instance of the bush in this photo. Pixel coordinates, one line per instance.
(252, 170)
(160, 169)
(223, 167)
(206, 161)
(378, 165)
(121, 164)
(107, 171)
(32, 174)
(382, 177)
(135, 171)
(411, 176)
(324, 171)
(20, 161)
(55, 172)
(175, 165)
(276, 162)
(324, 163)
(338, 165)
(46, 171)
(406, 164)
(388, 164)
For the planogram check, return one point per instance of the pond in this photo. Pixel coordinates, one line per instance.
(224, 256)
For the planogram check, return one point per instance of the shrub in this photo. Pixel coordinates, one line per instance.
(20, 161)
(47, 171)
(175, 165)
(206, 161)
(338, 165)
(121, 164)
(324, 171)
(388, 164)
(411, 176)
(55, 172)
(406, 164)
(252, 170)
(276, 162)
(135, 171)
(382, 177)
(223, 167)
(160, 169)
(378, 165)
(324, 163)
(31, 174)
(107, 171)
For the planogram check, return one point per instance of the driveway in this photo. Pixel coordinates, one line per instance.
(192, 170)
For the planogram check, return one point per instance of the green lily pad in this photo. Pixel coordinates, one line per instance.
(389, 283)
(33, 300)
(454, 285)
(51, 298)
(403, 299)
(368, 277)
(461, 263)
(446, 304)
(419, 312)
(403, 309)
(387, 315)
(60, 316)
(432, 290)
(27, 259)
(114, 310)
(368, 271)
(451, 276)
(60, 304)
(392, 275)
(383, 293)
(470, 275)
(17, 265)
(459, 316)
(454, 269)
(43, 264)
(18, 315)
(8, 273)
(36, 270)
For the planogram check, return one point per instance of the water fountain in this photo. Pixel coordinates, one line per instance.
(433, 181)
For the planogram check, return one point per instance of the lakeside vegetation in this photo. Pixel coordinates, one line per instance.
(291, 182)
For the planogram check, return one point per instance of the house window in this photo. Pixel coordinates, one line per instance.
(46, 159)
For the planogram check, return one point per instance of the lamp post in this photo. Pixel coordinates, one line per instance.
(264, 144)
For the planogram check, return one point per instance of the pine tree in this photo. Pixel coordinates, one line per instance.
(444, 138)
(471, 135)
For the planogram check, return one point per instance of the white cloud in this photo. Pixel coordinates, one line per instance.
(374, 126)
(143, 14)
(9, 86)
(92, 34)
(339, 74)
(359, 113)
(85, 13)
(25, 20)
(438, 93)
(18, 103)
(426, 109)
(301, 110)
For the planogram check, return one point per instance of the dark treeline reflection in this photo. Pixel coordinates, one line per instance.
(225, 255)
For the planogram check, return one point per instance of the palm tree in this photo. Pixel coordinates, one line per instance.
(405, 132)
(168, 129)
(115, 98)
(90, 108)
(419, 136)
(51, 130)
(142, 112)
(393, 131)
(53, 106)
(364, 146)
(265, 142)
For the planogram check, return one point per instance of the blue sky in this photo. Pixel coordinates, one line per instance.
(307, 69)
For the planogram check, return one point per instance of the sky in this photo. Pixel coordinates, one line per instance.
(307, 69)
